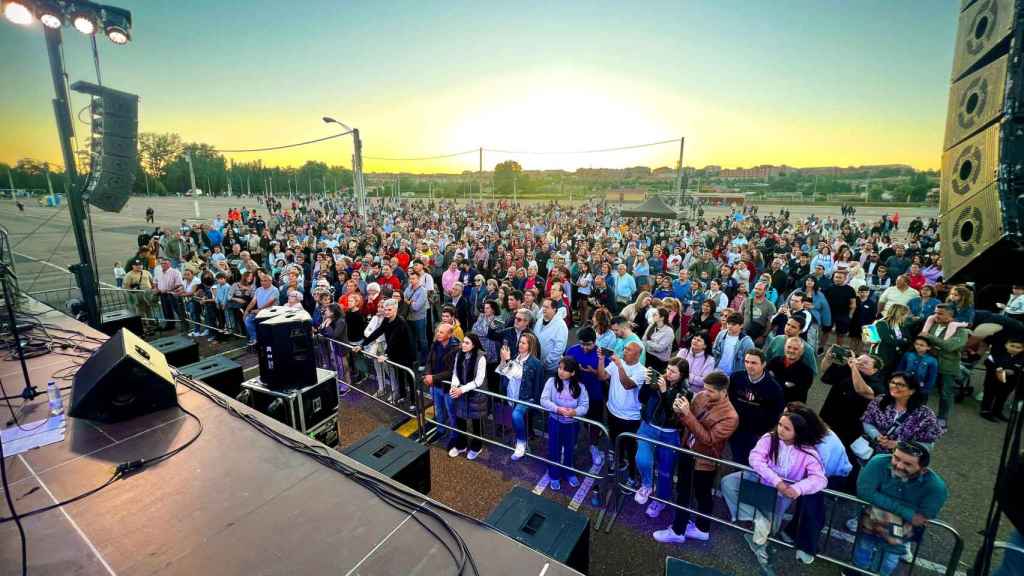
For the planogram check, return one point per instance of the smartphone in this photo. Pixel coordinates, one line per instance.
(608, 352)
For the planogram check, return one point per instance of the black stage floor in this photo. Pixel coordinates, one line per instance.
(235, 502)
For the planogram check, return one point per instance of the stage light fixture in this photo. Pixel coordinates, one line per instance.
(84, 22)
(50, 16)
(117, 24)
(18, 13)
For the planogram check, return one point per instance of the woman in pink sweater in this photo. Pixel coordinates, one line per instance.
(786, 460)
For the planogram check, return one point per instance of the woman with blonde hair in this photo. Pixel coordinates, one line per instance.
(890, 341)
(636, 312)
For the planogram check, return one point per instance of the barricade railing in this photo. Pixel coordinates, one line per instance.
(1008, 549)
(386, 374)
(623, 490)
(601, 476)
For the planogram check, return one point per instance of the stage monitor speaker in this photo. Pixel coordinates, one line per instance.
(981, 191)
(178, 350)
(545, 526)
(111, 322)
(114, 148)
(124, 378)
(284, 344)
(217, 372)
(394, 456)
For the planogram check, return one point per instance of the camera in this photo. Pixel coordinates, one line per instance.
(840, 354)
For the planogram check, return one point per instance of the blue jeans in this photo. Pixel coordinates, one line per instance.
(519, 422)
(442, 411)
(666, 458)
(561, 446)
(869, 546)
(250, 326)
(419, 338)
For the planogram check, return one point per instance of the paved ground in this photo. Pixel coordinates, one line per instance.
(966, 456)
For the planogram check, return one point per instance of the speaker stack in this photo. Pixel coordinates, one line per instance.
(284, 344)
(545, 526)
(981, 202)
(115, 146)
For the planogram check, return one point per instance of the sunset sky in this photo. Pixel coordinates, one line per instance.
(805, 83)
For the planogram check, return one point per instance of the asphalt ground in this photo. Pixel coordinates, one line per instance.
(966, 456)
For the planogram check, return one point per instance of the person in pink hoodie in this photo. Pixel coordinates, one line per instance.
(786, 460)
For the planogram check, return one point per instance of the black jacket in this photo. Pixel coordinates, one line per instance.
(399, 340)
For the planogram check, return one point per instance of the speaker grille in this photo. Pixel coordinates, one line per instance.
(982, 27)
(971, 229)
(968, 168)
(975, 102)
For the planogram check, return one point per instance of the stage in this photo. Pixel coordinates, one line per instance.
(234, 502)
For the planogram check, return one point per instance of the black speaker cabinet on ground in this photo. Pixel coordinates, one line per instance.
(111, 322)
(178, 350)
(284, 343)
(125, 378)
(217, 372)
(677, 567)
(545, 526)
(394, 456)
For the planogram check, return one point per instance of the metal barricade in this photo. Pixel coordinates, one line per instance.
(600, 476)
(623, 490)
(386, 372)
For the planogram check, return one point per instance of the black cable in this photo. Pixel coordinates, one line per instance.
(14, 513)
(398, 497)
(122, 470)
(282, 147)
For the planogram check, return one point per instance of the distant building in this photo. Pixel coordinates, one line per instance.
(626, 195)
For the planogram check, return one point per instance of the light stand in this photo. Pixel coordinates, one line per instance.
(1011, 450)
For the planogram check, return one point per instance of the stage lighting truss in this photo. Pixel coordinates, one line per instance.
(84, 16)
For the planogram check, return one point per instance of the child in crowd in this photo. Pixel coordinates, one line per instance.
(222, 295)
(565, 398)
(119, 274)
(1002, 369)
(922, 364)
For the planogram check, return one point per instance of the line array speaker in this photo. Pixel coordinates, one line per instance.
(115, 146)
(980, 200)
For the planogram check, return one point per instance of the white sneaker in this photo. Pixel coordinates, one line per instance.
(804, 557)
(654, 509)
(642, 495)
(193, 334)
(473, 454)
(520, 451)
(695, 533)
(908, 553)
(454, 452)
(596, 457)
(667, 536)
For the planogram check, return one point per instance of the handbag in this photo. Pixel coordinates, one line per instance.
(864, 447)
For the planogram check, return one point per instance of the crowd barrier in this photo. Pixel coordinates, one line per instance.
(341, 356)
(601, 477)
(852, 503)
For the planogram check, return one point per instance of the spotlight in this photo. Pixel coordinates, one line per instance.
(84, 23)
(117, 23)
(50, 16)
(18, 13)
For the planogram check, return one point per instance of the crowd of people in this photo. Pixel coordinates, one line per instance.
(704, 333)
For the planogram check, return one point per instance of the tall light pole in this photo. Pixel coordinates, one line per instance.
(358, 184)
(192, 179)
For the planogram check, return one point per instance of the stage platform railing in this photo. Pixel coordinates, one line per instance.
(850, 503)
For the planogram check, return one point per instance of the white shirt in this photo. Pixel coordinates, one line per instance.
(625, 404)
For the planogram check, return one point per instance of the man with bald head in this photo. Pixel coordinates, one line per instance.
(438, 374)
(625, 376)
(791, 372)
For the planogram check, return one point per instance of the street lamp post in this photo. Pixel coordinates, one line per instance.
(358, 184)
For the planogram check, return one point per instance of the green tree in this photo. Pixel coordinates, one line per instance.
(157, 151)
(506, 175)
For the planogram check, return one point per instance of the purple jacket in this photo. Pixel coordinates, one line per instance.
(803, 470)
(700, 366)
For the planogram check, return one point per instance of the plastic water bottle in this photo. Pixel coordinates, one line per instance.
(56, 402)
